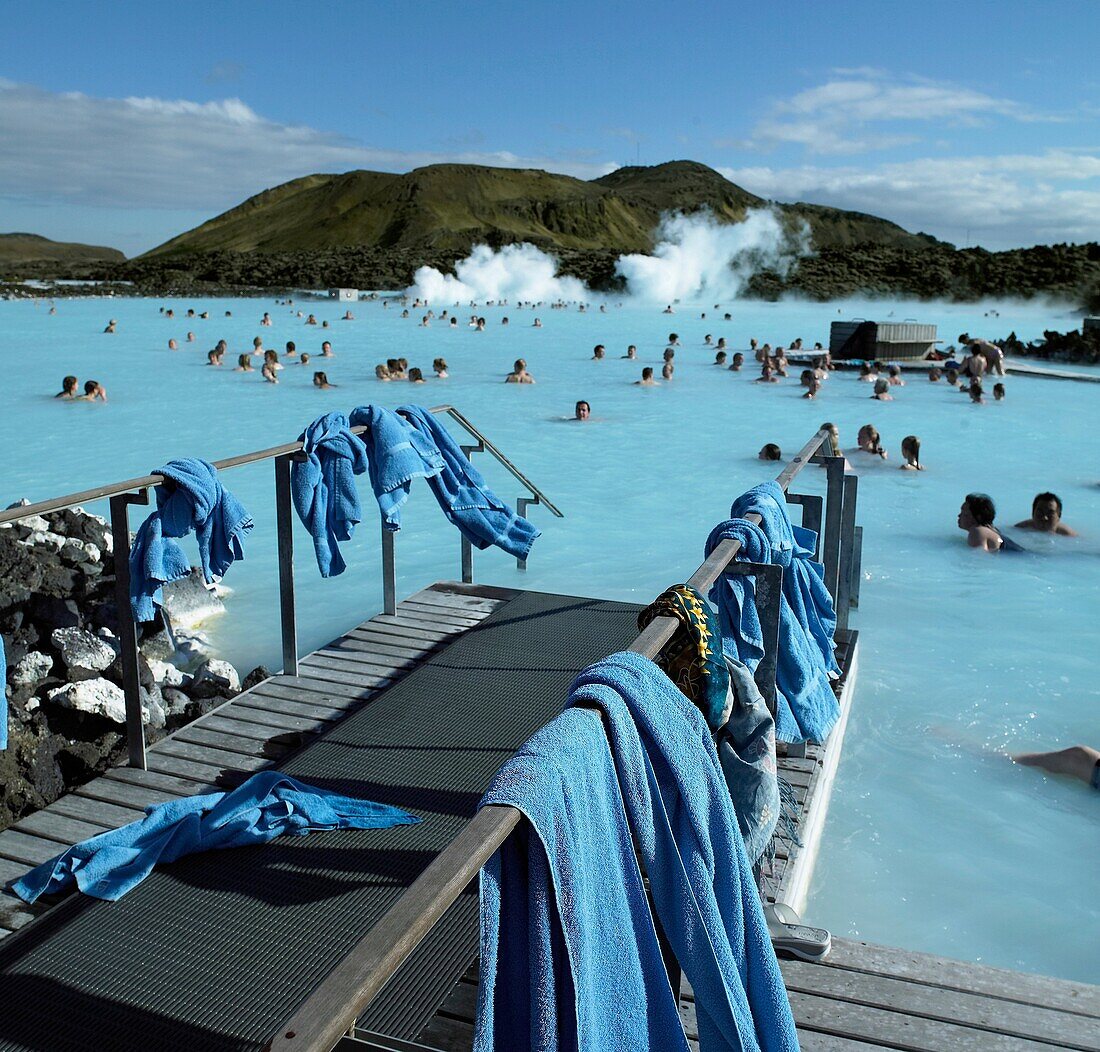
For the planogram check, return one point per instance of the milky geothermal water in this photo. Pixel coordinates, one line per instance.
(934, 840)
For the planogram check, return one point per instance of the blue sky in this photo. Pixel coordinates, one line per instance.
(979, 122)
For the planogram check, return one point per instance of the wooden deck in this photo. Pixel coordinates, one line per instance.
(248, 733)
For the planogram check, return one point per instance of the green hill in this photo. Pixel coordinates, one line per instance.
(448, 208)
(18, 249)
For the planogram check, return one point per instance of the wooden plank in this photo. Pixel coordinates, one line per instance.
(234, 743)
(163, 781)
(897, 1030)
(950, 1006)
(356, 691)
(481, 591)
(273, 707)
(383, 649)
(221, 759)
(64, 831)
(421, 637)
(22, 847)
(811, 1041)
(431, 597)
(355, 665)
(324, 674)
(10, 871)
(97, 812)
(341, 697)
(229, 724)
(265, 717)
(123, 794)
(1043, 990)
(200, 773)
(387, 664)
(427, 623)
(14, 912)
(410, 613)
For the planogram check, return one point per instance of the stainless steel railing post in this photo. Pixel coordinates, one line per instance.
(522, 504)
(847, 545)
(389, 573)
(284, 522)
(834, 507)
(127, 629)
(467, 547)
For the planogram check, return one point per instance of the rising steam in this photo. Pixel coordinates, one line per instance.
(696, 257)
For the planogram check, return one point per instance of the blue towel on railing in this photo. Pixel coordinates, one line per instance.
(396, 454)
(686, 831)
(267, 805)
(480, 515)
(324, 490)
(806, 707)
(569, 955)
(191, 498)
(793, 548)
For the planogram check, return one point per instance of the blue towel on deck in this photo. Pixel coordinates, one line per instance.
(191, 497)
(267, 805)
(806, 707)
(803, 578)
(324, 490)
(686, 831)
(569, 955)
(480, 515)
(396, 454)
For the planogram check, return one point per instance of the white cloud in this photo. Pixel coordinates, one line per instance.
(1003, 201)
(160, 153)
(833, 118)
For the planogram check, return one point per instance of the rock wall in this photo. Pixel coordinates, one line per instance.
(64, 682)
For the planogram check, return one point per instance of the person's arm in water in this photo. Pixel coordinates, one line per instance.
(1078, 761)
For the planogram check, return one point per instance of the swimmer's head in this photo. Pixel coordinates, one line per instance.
(69, 385)
(320, 379)
(1046, 511)
(933, 376)
(770, 451)
(977, 509)
(381, 372)
(304, 358)
(869, 439)
(582, 410)
(291, 347)
(520, 366)
(882, 386)
(910, 448)
(91, 387)
(952, 376)
(257, 342)
(416, 376)
(720, 358)
(244, 361)
(647, 373)
(998, 391)
(598, 351)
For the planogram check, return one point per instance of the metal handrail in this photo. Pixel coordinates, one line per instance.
(118, 489)
(333, 1007)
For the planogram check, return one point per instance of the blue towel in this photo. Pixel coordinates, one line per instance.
(396, 454)
(687, 834)
(268, 805)
(480, 515)
(803, 578)
(323, 487)
(569, 955)
(746, 751)
(191, 497)
(806, 707)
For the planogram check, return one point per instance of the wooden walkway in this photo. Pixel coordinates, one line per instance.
(246, 734)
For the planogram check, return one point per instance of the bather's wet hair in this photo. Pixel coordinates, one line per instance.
(770, 451)
(910, 446)
(981, 508)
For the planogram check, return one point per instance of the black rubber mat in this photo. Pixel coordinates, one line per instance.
(215, 951)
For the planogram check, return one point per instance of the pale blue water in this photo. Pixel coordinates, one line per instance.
(934, 840)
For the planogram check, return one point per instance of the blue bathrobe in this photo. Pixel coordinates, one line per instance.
(191, 498)
(803, 578)
(806, 707)
(480, 515)
(323, 487)
(396, 454)
(675, 803)
(267, 805)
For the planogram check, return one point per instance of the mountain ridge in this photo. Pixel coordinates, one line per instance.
(22, 248)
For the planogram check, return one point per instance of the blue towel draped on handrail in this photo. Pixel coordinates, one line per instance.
(803, 578)
(267, 805)
(480, 515)
(396, 454)
(191, 498)
(569, 955)
(323, 487)
(587, 977)
(806, 707)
